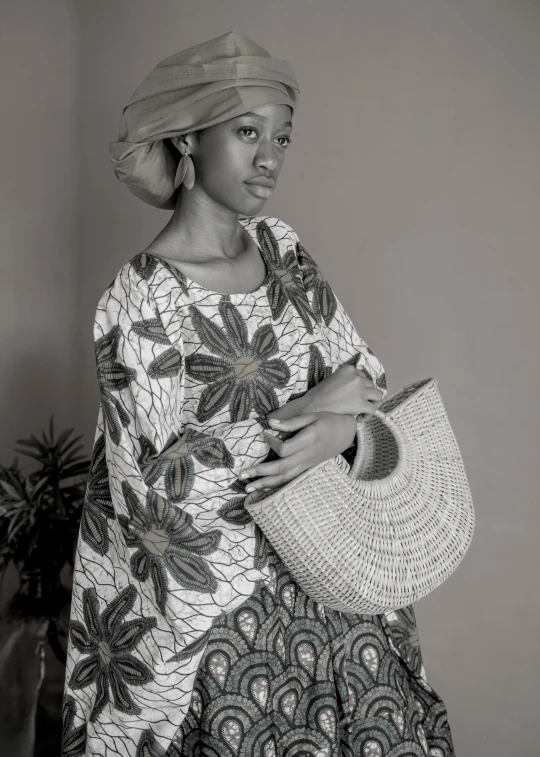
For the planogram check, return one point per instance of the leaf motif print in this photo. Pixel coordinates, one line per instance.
(317, 370)
(167, 542)
(144, 264)
(324, 300)
(286, 283)
(152, 329)
(112, 376)
(73, 737)
(169, 363)
(166, 365)
(108, 640)
(236, 327)
(98, 507)
(264, 343)
(214, 337)
(240, 375)
(261, 549)
(175, 461)
(233, 511)
(149, 747)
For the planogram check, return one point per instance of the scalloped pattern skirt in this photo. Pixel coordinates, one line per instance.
(282, 676)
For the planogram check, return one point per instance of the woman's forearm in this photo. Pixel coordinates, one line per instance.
(341, 393)
(344, 391)
(301, 405)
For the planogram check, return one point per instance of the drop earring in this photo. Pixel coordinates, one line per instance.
(185, 173)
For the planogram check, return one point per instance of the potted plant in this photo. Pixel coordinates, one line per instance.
(40, 511)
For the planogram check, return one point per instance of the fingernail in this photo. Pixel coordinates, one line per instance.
(274, 420)
(250, 488)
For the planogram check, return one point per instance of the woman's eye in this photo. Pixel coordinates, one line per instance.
(248, 128)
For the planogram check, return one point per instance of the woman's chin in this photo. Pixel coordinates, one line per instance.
(252, 208)
(249, 205)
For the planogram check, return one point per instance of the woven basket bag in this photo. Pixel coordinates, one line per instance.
(380, 534)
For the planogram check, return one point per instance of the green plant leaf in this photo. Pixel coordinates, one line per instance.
(41, 509)
(16, 528)
(34, 455)
(11, 490)
(71, 446)
(63, 437)
(71, 456)
(40, 484)
(33, 442)
(74, 470)
(28, 442)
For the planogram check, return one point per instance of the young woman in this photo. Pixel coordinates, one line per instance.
(188, 634)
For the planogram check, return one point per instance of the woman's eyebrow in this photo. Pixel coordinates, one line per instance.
(261, 118)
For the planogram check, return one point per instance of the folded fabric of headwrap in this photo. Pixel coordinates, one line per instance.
(198, 87)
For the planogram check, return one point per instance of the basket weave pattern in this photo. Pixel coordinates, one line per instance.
(380, 534)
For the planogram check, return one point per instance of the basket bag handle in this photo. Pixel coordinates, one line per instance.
(404, 451)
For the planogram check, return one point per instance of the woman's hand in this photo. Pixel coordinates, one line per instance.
(323, 435)
(346, 390)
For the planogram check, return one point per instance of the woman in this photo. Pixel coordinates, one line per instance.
(188, 634)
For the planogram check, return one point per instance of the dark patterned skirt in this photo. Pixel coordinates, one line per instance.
(282, 676)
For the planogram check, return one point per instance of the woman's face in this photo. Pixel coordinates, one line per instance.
(230, 155)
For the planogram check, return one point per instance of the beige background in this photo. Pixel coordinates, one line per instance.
(413, 179)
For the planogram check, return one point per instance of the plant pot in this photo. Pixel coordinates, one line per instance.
(21, 674)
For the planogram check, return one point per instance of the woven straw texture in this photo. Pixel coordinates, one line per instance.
(380, 534)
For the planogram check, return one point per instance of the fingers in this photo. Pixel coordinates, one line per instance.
(293, 423)
(274, 441)
(373, 397)
(258, 494)
(369, 407)
(253, 497)
(273, 474)
(370, 389)
(290, 444)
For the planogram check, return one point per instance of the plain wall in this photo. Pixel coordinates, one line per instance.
(39, 283)
(414, 180)
(39, 224)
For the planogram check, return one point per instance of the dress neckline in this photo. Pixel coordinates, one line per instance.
(191, 283)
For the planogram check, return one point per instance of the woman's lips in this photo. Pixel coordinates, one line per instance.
(259, 190)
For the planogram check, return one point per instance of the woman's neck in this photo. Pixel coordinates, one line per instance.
(200, 229)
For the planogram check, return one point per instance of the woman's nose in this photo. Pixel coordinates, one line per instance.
(266, 157)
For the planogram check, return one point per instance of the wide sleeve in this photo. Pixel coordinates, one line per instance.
(346, 344)
(152, 572)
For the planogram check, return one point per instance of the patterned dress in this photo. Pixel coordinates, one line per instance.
(188, 635)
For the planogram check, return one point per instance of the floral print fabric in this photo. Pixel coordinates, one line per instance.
(168, 560)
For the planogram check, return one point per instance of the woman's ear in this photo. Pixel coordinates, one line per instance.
(185, 142)
(176, 141)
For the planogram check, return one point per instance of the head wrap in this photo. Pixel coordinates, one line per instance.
(198, 87)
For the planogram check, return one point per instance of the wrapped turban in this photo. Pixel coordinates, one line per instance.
(198, 87)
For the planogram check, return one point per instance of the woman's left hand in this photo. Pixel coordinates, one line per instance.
(323, 435)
